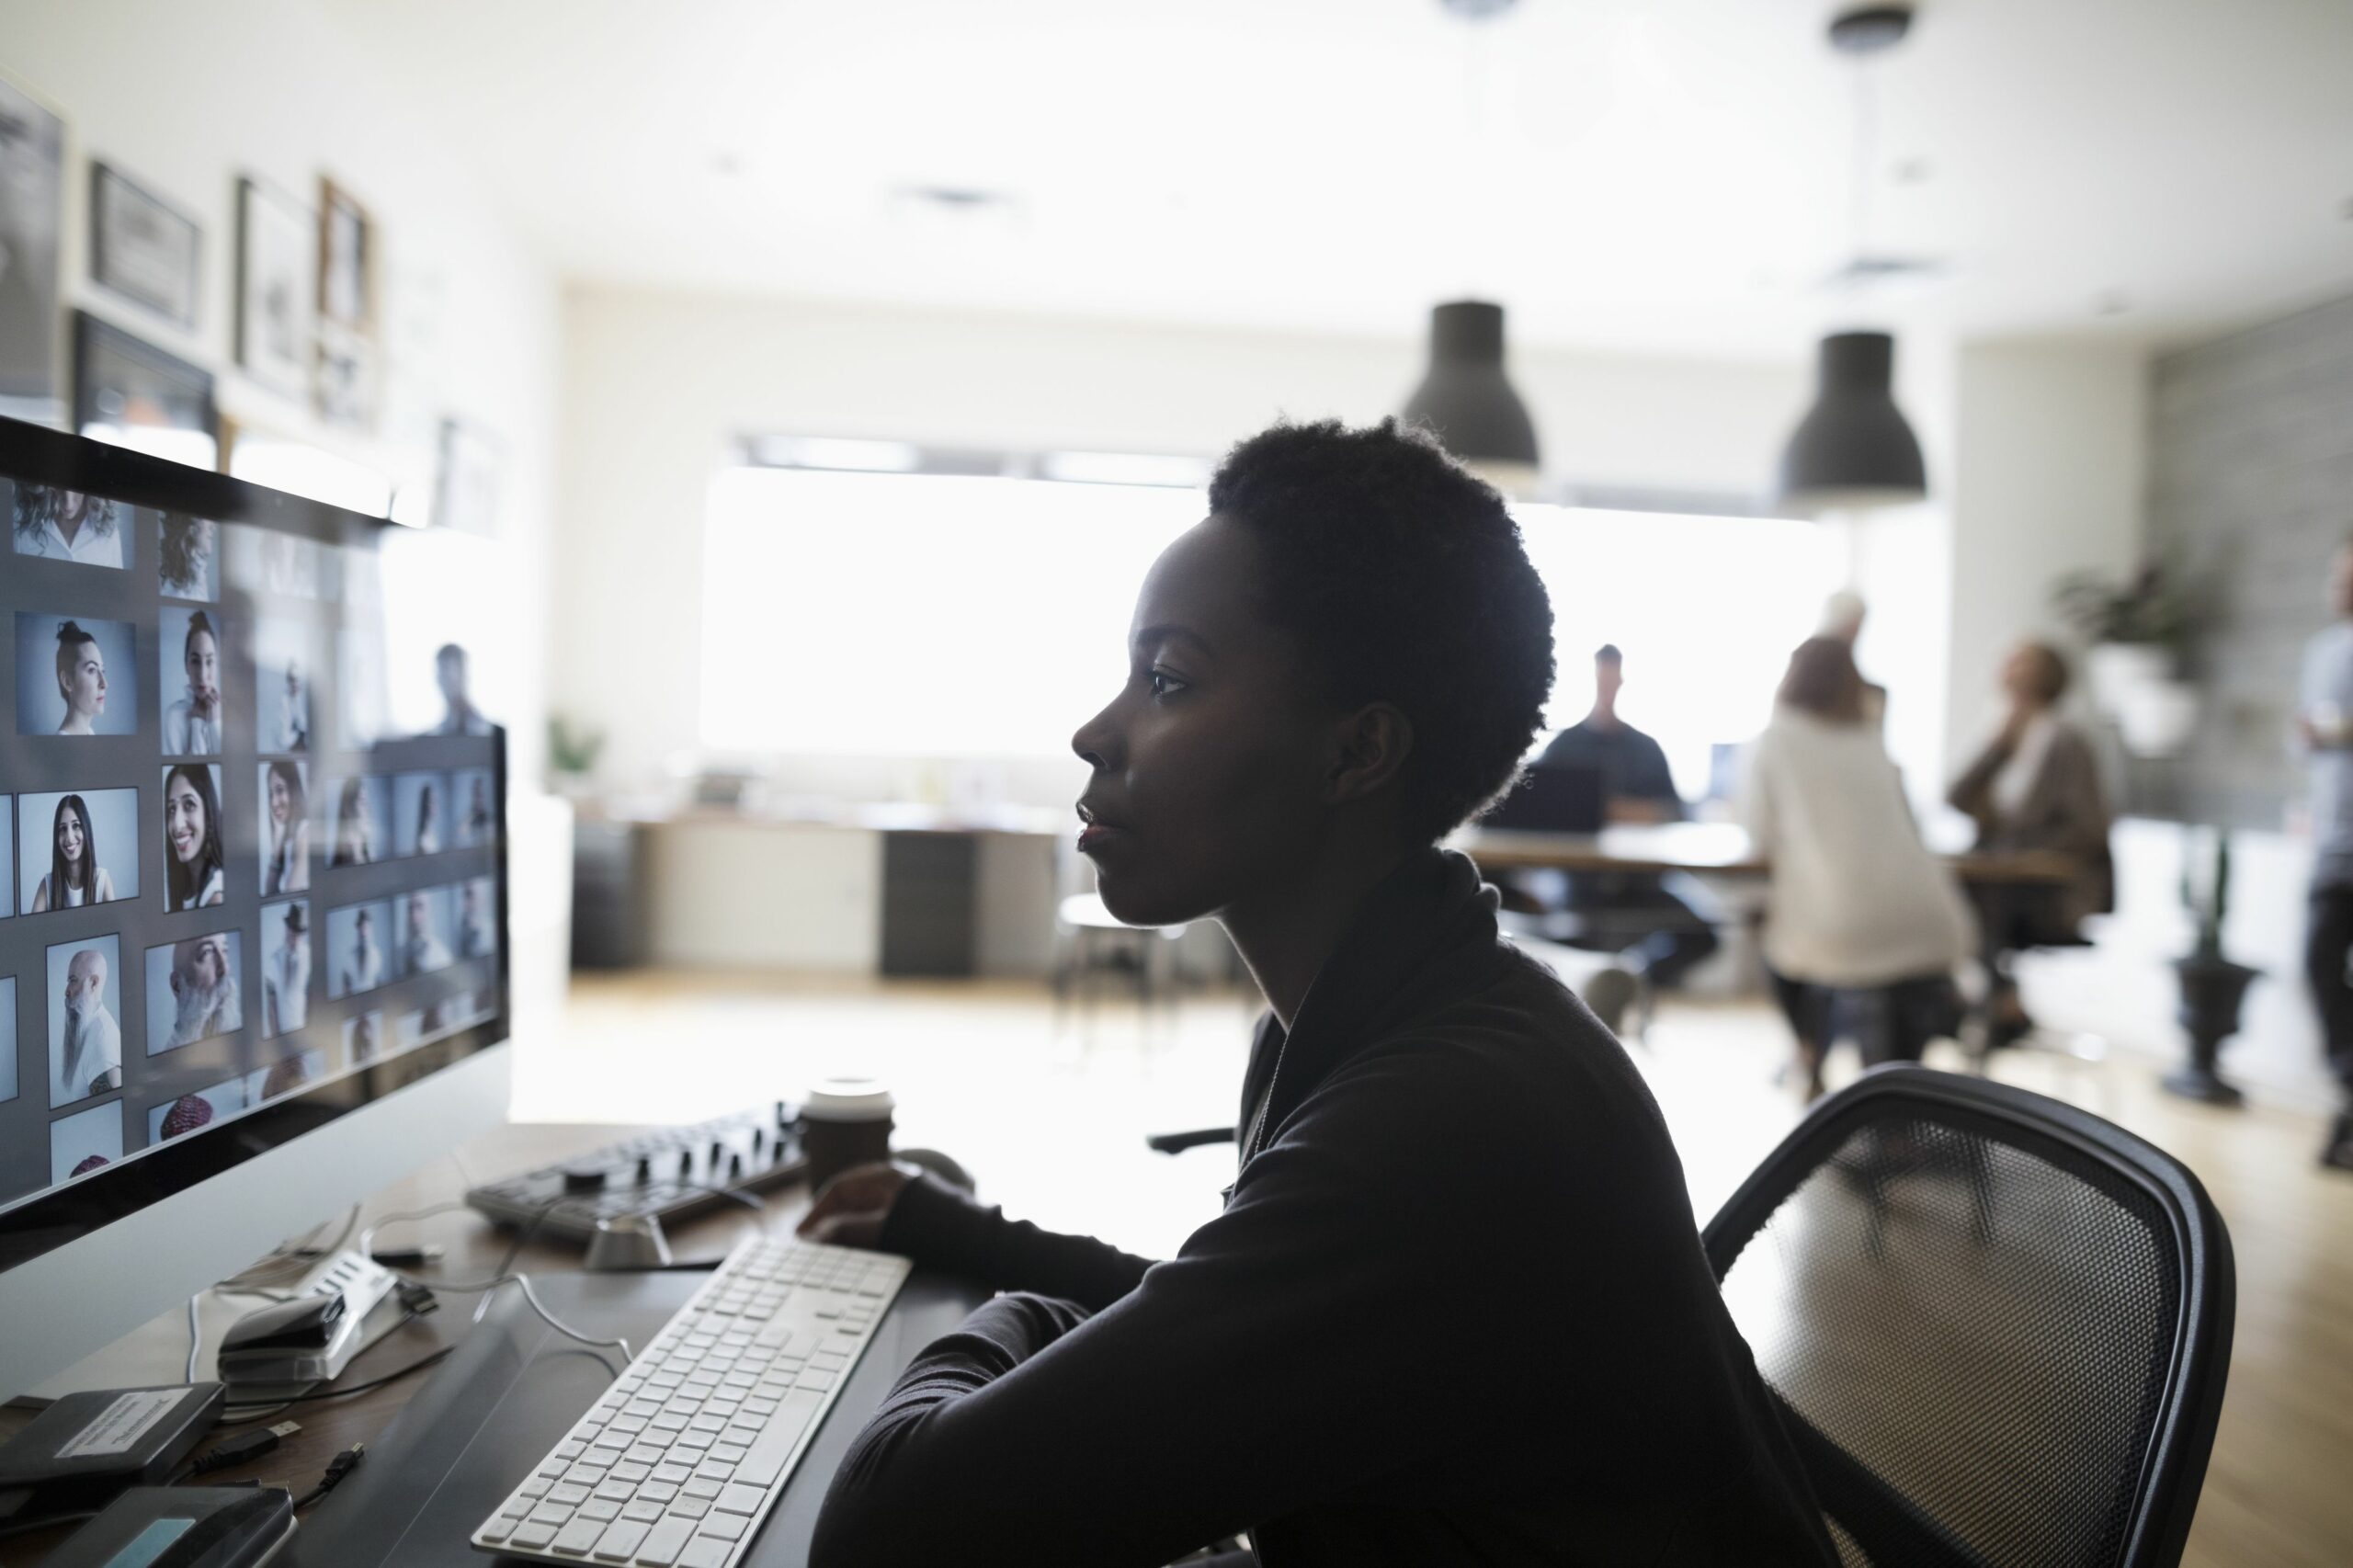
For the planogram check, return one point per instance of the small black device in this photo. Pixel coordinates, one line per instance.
(667, 1174)
(1562, 798)
(183, 1526)
(85, 1449)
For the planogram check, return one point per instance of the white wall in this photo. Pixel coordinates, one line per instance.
(2050, 476)
(184, 98)
(658, 385)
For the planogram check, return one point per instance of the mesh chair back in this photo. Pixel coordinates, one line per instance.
(1998, 1326)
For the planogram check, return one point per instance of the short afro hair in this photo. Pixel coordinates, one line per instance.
(1403, 577)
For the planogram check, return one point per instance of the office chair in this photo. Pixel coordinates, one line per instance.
(1996, 1326)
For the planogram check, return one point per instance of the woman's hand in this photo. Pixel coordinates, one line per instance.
(854, 1207)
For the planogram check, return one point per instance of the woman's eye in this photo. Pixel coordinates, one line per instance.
(1163, 683)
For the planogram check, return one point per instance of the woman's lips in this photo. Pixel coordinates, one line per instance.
(184, 845)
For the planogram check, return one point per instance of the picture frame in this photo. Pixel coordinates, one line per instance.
(131, 393)
(277, 299)
(473, 471)
(347, 260)
(32, 231)
(142, 248)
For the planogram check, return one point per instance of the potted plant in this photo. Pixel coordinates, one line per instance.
(2137, 630)
(2213, 988)
(571, 756)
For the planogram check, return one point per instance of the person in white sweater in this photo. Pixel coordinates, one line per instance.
(1862, 926)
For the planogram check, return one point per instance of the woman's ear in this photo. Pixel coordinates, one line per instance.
(1373, 745)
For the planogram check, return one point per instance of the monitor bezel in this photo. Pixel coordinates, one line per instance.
(64, 1215)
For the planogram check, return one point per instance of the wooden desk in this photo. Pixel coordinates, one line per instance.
(472, 1248)
(1705, 847)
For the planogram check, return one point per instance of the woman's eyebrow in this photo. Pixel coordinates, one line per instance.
(1171, 631)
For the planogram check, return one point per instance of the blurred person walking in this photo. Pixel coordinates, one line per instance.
(2325, 724)
(1862, 926)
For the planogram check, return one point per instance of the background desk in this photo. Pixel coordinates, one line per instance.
(473, 1247)
(1705, 848)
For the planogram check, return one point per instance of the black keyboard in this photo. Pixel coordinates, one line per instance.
(669, 1175)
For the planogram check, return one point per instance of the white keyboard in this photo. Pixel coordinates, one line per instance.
(679, 1464)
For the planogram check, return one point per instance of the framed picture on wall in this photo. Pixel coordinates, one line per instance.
(142, 248)
(131, 393)
(278, 240)
(473, 464)
(346, 260)
(32, 208)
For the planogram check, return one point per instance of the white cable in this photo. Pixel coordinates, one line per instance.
(194, 1336)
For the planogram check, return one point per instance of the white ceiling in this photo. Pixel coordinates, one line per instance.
(1660, 175)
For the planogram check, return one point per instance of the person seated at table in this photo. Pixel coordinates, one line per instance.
(1862, 925)
(2035, 787)
(1345, 660)
(1659, 926)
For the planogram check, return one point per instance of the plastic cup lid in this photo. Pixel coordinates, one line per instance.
(849, 1099)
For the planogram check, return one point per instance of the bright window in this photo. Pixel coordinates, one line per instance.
(910, 614)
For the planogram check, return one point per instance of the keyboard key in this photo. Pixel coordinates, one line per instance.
(726, 1526)
(657, 1491)
(604, 1510)
(643, 1510)
(704, 1551)
(728, 1454)
(497, 1529)
(555, 1513)
(701, 1487)
(633, 1474)
(672, 1473)
(580, 1536)
(764, 1461)
(662, 1543)
(689, 1507)
(741, 1500)
(568, 1495)
(534, 1538)
(621, 1543)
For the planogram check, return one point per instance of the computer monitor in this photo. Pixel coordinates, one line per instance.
(253, 936)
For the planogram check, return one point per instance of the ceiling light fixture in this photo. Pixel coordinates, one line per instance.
(1854, 450)
(1465, 400)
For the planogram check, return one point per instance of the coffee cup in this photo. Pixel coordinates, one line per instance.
(845, 1122)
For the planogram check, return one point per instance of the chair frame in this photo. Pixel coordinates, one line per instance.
(2173, 1470)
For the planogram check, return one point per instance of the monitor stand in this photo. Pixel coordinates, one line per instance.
(486, 1416)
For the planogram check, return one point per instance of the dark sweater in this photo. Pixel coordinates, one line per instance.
(1455, 1311)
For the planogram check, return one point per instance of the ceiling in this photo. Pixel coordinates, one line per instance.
(1656, 174)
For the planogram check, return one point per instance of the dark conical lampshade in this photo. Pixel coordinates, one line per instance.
(1466, 402)
(1853, 450)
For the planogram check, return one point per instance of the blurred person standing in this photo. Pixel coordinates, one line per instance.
(1843, 613)
(1862, 926)
(2035, 787)
(2324, 723)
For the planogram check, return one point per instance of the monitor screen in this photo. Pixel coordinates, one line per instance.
(237, 899)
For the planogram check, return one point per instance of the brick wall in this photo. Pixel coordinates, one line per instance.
(2251, 485)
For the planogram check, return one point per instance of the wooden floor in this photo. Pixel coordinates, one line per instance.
(1050, 1114)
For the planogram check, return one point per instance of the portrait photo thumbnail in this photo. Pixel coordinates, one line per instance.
(83, 1143)
(76, 674)
(473, 808)
(192, 655)
(285, 967)
(360, 818)
(363, 1037)
(195, 1111)
(289, 1074)
(284, 791)
(194, 989)
(263, 561)
(188, 557)
(9, 1088)
(360, 948)
(196, 871)
(477, 918)
(68, 525)
(284, 666)
(423, 914)
(420, 814)
(84, 1003)
(76, 846)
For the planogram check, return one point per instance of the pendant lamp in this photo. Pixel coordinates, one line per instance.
(1466, 402)
(1853, 448)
